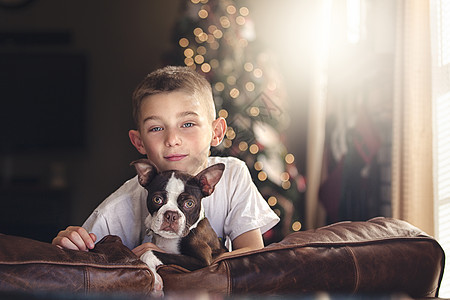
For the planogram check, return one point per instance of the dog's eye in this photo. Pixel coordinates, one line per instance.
(189, 204)
(158, 200)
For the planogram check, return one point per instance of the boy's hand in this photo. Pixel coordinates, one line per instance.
(139, 250)
(75, 238)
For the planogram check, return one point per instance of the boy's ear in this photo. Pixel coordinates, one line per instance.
(219, 129)
(135, 138)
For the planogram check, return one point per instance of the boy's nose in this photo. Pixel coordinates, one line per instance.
(172, 138)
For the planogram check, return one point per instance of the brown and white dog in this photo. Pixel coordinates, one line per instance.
(177, 219)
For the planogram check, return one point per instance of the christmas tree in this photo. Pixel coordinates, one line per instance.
(217, 38)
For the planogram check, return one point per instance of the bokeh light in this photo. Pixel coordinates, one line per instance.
(296, 226)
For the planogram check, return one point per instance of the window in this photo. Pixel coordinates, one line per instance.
(440, 37)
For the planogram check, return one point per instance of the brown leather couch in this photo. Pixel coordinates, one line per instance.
(381, 256)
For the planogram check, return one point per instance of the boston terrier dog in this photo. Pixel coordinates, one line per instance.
(177, 219)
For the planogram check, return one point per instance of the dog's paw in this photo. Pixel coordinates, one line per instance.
(157, 286)
(150, 259)
(152, 262)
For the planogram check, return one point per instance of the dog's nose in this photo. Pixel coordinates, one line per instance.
(171, 216)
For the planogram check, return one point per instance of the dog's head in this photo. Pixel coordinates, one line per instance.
(174, 198)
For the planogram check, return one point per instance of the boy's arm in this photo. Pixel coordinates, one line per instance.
(248, 241)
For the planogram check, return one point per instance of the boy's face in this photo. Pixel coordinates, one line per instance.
(175, 132)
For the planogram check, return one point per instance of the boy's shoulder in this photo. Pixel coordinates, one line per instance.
(130, 191)
(236, 171)
(229, 161)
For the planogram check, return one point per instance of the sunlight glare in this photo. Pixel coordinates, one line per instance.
(353, 21)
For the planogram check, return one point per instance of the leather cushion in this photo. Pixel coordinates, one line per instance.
(381, 256)
(28, 265)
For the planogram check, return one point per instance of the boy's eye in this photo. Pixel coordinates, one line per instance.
(155, 129)
(185, 125)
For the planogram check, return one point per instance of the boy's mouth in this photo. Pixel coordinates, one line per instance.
(175, 157)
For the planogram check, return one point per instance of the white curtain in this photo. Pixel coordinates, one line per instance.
(412, 165)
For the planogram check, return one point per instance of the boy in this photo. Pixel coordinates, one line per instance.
(176, 124)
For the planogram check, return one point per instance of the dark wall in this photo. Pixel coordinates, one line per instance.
(122, 41)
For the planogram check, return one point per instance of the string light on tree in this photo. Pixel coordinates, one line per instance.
(289, 158)
(272, 201)
(243, 146)
(258, 166)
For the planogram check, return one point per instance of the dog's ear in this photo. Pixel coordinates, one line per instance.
(209, 177)
(146, 171)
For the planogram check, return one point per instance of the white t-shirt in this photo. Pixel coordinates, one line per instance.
(235, 207)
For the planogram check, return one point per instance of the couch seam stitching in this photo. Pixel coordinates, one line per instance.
(355, 269)
(86, 280)
(229, 281)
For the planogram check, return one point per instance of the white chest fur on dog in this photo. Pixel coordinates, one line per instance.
(167, 245)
